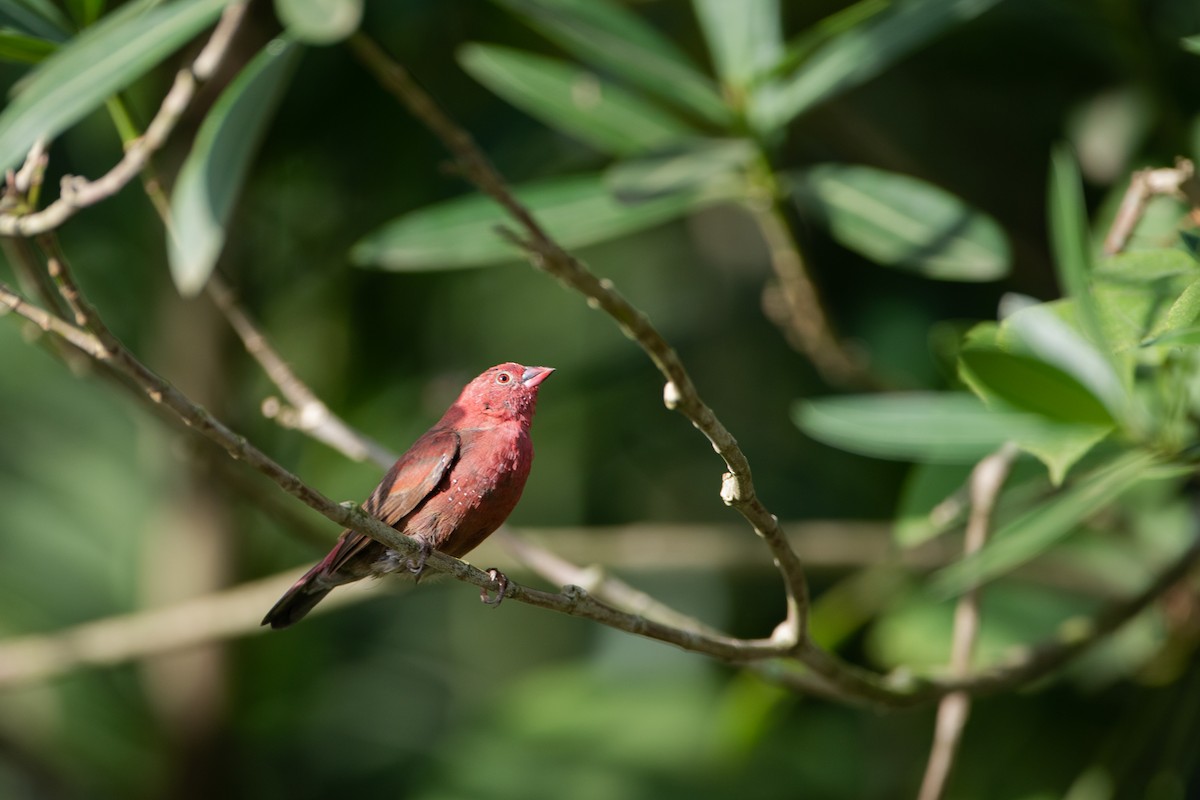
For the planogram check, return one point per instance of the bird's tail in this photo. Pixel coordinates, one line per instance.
(298, 600)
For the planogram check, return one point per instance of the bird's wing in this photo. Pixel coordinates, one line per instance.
(410, 480)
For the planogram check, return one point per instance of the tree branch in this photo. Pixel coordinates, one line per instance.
(987, 479)
(679, 394)
(307, 413)
(794, 304)
(77, 193)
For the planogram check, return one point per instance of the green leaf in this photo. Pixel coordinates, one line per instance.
(702, 163)
(83, 74)
(320, 21)
(1030, 384)
(939, 428)
(212, 176)
(1184, 337)
(22, 49)
(743, 37)
(1037, 331)
(1144, 294)
(829, 28)
(39, 18)
(573, 100)
(85, 12)
(1191, 44)
(861, 53)
(903, 222)
(576, 210)
(607, 35)
(1032, 534)
(1069, 237)
(935, 498)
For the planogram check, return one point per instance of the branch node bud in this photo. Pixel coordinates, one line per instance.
(671, 396)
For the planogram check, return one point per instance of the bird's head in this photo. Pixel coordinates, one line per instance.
(506, 391)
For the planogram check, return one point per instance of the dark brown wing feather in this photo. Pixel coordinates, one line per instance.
(407, 484)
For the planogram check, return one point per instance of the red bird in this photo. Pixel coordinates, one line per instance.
(453, 487)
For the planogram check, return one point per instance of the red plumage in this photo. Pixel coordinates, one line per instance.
(453, 487)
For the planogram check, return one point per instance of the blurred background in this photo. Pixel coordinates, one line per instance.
(424, 693)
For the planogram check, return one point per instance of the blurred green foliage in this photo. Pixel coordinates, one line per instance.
(922, 103)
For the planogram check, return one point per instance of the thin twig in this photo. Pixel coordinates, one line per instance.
(307, 413)
(572, 600)
(679, 394)
(987, 479)
(77, 193)
(1178, 182)
(794, 304)
(124, 637)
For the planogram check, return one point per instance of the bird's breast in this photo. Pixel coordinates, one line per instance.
(479, 491)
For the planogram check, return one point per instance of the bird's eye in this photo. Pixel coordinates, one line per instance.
(503, 377)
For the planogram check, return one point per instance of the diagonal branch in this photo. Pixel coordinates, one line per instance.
(679, 394)
(78, 193)
(572, 600)
(987, 479)
(308, 414)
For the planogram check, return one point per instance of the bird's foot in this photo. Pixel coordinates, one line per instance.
(501, 581)
(417, 566)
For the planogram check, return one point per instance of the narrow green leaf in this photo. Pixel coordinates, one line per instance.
(80, 76)
(903, 222)
(1030, 384)
(1184, 337)
(863, 52)
(40, 18)
(607, 35)
(1043, 526)
(1069, 237)
(1039, 332)
(577, 210)
(938, 428)
(320, 21)
(573, 100)
(85, 12)
(743, 37)
(212, 176)
(714, 164)
(22, 49)
(837, 23)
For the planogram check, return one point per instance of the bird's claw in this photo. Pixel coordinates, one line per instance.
(501, 581)
(418, 566)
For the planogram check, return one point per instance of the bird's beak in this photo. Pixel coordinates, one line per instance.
(535, 375)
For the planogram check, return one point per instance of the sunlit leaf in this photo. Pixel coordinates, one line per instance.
(945, 428)
(211, 178)
(1046, 524)
(863, 52)
(608, 35)
(1191, 44)
(743, 37)
(576, 210)
(699, 163)
(904, 222)
(23, 49)
(1184, 337)
(1037, 331)
(573, 100)
(320, 21)
(39, 18)
(83, 74)
(1069, 237)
